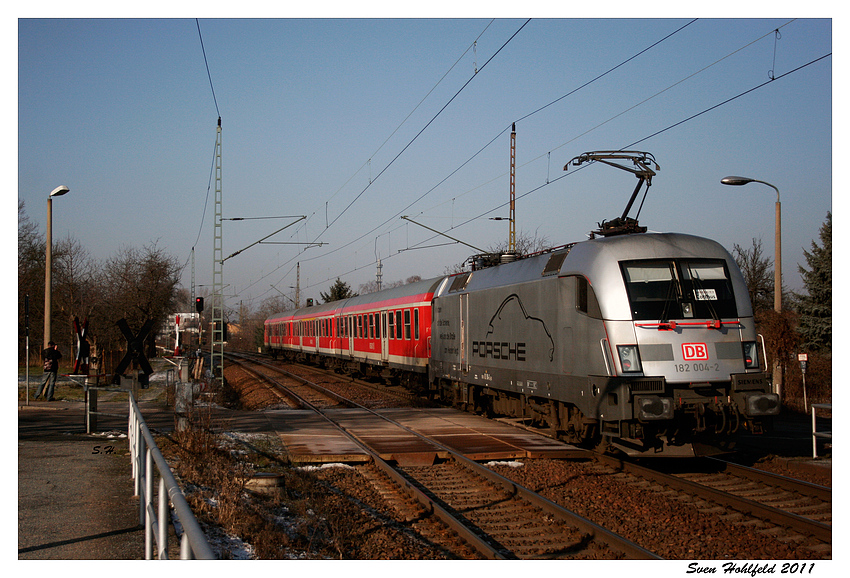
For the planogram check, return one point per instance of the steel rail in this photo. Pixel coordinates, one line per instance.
(596, 532)
(799, 486)
(394, 391)
(429, 504)
(819, 530)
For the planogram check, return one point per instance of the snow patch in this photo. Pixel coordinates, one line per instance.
(323, 467)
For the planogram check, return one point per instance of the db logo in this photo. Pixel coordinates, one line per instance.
(695, 351)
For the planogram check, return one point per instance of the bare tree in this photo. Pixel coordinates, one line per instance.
(526, 244)
(372, 286)
(138, 284)
(31, 245)
(758, 275)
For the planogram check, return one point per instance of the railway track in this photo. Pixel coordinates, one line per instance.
(794, 510)
(295, 390)
(321, 376)
(496, 517)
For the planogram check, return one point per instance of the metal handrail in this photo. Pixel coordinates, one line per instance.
(194, 545)
(815, 433)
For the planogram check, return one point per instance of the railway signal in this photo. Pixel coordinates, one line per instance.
(199, 304)
(135, 351)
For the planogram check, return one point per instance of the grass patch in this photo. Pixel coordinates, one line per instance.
(301, 519)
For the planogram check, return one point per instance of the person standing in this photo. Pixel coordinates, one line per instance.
(51, 357)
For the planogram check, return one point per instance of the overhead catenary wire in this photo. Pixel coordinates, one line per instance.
(631, 145)
(535, 189)
(481, 150)
(621, 113)
(203, 50)
(368, 162)
(496, 137)
(212, 164)
(685, 120)
(371, 181)
(424, 128)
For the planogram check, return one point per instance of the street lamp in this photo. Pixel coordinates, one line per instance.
(48, 264)
(777, 268)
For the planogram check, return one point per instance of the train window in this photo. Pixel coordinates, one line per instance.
(707, 283)
(416, 324)
(391, 326)
(398, 324)
(407, 323)
(371, 317)
(652, 289)
(679, 289)
(586, 299)
(378, 325)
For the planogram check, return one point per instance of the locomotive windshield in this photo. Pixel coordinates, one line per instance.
(667, 289)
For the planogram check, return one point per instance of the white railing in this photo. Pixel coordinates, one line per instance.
(815, 433)
(144, 453)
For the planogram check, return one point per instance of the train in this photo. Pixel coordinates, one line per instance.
(643, 343)
(630, 341)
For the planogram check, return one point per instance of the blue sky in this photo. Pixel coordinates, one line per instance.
(122, 112)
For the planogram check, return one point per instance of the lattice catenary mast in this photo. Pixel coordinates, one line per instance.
(217, 341)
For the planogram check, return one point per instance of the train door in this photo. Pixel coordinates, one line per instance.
(350, 332)
(337, 333)
(464, 342)
(385, 346)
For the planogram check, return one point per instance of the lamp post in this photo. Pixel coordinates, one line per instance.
(48, 263)
(777, 266)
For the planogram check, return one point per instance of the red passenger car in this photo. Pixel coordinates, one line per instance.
(386, 334)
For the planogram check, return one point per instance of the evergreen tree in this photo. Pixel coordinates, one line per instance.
(816, 306)
(339, 290)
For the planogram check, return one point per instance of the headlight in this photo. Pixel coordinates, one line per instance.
(751, 355)
(761, 403)
(653, 407)
(629, 358)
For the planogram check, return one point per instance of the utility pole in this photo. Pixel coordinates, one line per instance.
(512, 233)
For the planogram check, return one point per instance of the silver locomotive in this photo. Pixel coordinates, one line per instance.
(643, 341)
